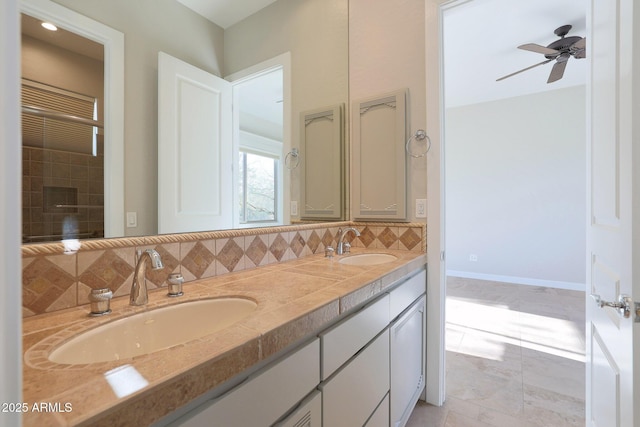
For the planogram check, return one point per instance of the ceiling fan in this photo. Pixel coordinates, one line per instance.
(560, 51)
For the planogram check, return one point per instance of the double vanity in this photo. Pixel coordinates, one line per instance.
(338, 339)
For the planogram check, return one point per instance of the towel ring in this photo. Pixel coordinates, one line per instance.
(292, 156)
(420, 135)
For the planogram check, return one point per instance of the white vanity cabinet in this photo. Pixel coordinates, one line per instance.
(266, 397)
(367, 369)
(340, 342)
(355, 365)
(351, 396)
(407, 334)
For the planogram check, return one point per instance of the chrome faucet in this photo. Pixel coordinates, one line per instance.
(344, 247)
(139, 294)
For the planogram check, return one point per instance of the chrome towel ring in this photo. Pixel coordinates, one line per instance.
(420, 135)
(292, 159)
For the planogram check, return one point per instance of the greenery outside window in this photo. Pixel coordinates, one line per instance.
(259, 180)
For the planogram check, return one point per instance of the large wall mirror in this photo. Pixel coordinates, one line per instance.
(106, 184)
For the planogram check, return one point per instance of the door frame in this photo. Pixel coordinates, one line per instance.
(436, 196)
(10, 210)
(435, 391)
(283, 62)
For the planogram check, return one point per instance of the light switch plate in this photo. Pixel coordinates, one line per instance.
(132, 219)
(294, 208)
(421, 208)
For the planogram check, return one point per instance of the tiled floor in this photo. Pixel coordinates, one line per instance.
(515, 357)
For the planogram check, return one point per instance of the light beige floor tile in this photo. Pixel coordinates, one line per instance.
(498, 419)
(553, 373)
(515, 357)
(453, 339)
(455, 419)
(548, 409)
(425, 414)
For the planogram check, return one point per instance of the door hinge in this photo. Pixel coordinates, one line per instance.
(442, 256)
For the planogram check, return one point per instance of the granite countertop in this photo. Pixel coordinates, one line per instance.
(295, 299)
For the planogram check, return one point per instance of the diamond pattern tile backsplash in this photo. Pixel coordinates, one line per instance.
(52, 281)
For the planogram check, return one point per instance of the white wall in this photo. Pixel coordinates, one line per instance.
(515, 188)
(387, 53)
(315, 33)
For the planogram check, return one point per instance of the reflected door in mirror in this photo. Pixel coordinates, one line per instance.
(194, 148)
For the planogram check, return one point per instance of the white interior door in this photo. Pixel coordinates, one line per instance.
(612, 371)
(194, 148)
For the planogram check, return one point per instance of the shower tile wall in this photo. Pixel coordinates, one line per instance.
(61, 178)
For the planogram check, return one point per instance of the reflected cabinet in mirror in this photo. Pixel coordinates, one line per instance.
(379, 157)
(321, 174)
(93, 166)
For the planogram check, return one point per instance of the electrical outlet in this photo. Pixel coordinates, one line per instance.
(473, 257)
(421, 208)
(294, 208)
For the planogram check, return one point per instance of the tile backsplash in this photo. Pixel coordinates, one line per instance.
(53, 281)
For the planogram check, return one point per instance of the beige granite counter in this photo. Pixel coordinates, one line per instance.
(295, 299)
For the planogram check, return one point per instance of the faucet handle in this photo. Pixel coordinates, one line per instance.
(175, 281)
(329, 251)
(100, 300)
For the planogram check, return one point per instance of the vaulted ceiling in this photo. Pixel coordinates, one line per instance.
(480, 45)
(225, 13)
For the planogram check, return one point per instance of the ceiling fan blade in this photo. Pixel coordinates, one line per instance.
(558, 70)
(579, 48)
(532, 47)
(580, 44)
(525, 69)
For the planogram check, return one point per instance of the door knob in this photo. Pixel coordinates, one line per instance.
(623, 305)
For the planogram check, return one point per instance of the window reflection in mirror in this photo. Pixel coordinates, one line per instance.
(259, 100)
(257, 192)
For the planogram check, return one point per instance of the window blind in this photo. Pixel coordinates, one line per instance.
(57, 134)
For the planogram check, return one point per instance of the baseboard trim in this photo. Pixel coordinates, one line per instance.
(572, 286)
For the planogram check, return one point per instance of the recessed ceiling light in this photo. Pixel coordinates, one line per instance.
(49, 26)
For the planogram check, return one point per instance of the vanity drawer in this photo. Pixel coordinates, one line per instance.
(342, 341)
(351, 396)
(265, 396)
(405, 294)
(380, 418)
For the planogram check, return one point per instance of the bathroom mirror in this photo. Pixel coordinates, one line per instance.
(313, 32)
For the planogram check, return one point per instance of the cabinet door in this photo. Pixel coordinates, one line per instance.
(379, 158)
(322, 166)
(408, 335)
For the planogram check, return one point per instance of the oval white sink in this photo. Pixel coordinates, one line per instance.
(153, 330)
(368, 259)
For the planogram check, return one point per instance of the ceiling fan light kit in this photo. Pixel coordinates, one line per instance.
(560, 51)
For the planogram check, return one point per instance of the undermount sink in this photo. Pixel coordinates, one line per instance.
(368, 259)
(153, 330)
